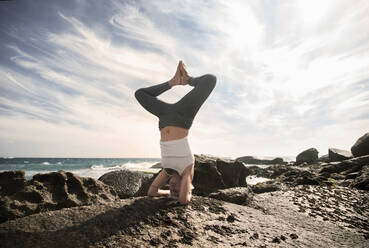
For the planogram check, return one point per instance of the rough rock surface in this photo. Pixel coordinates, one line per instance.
(205, 222)
(11, 182)
(308, 156)
(128, 183)
(338, 154)
(255, 160)
(362, 179)
(361, 147)
(237, 195)
(212, 174)
(52, 191)
(268, 186)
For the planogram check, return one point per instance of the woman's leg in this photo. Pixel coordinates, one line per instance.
(190, 104)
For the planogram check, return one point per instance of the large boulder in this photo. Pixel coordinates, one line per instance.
(308, 156)
(11, 182)
(338, 154)
(255, 160)
(237, 195)
(212, 174)
(361, 147)
(53, 191)
(128, 183)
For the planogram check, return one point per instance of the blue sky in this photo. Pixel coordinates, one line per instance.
(290, 75)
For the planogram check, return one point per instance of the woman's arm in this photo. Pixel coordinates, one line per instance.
(159, 182)
(185, 192)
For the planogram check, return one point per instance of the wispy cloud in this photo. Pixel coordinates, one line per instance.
(291, 75)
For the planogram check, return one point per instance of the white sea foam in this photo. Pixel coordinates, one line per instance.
(252, 180)
(46, 163)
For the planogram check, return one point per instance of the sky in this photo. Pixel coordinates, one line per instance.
(291, 75)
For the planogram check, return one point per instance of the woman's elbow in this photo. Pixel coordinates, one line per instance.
(152, 192)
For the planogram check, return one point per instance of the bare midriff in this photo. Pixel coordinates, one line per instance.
(172, 133)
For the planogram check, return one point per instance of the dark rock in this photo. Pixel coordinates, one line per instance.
(293, 236)
(52, 191)
(157, 166)
(324, 158)
(308, 156)
(128, 183)
(352, 175)
(255, 160)
(345, 166)
(260, 172)
(338, 155)
(300, 177)
(207, 177)
(237, 195)
(276, 240)
(264, 187)
(212, 174)
(233, 173)
(362, 181)
(11, 182)
(161, 221)
(361, 146)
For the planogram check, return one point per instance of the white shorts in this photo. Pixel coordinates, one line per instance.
(176, 154)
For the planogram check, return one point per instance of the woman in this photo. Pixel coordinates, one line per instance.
(175, 121)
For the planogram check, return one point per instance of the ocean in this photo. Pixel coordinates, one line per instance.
(89, 167)
(85, 167)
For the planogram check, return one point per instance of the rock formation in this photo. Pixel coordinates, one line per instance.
(49, 191)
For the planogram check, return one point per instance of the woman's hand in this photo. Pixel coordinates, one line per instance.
(181, 76)
(184, 73)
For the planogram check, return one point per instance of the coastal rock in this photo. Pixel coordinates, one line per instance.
(212, 174)
(361, 147)
(205, 222)
(52, 191)
(233, 173)
(268, 186)
(338, 155)
(301, 177)
(260, 172)
(345, 167)
(362, 180)
(128, 183)
(157, 165)
(11, 182)
(308, 156)
(324, 158)
(255, 160)
(237, 195)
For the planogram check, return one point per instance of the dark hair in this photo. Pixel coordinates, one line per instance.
(170, 172)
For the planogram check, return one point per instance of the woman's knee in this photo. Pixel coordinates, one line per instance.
(211, 78)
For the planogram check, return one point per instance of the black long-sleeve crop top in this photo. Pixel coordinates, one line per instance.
(182, 112)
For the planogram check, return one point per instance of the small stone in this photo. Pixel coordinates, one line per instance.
(293, 236)
(276, 240)
(231, 218)
(255, 236)
(283, 237)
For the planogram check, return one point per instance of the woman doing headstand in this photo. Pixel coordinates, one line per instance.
(175, 121)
